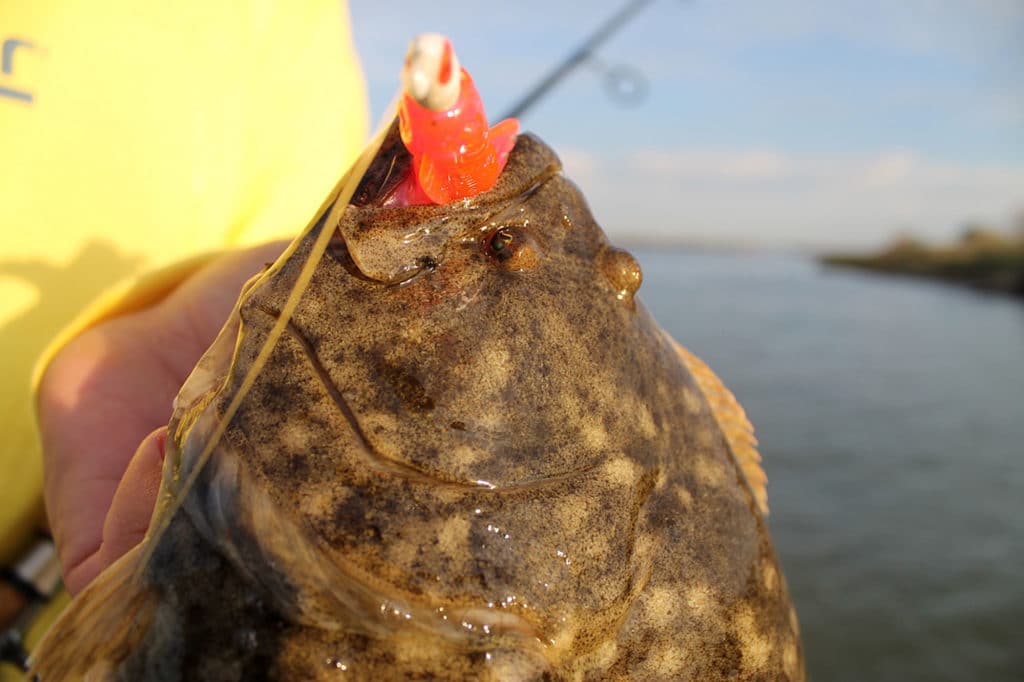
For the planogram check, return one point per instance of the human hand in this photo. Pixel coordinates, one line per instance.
(100, 397)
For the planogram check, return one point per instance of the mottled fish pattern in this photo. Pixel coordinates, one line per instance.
(472, 454)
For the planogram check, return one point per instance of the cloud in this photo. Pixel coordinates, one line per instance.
(579, 163)
(891, 168)
(754, 164)
(774, 198)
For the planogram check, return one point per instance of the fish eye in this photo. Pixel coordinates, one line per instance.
(513, 247)
(499, 245)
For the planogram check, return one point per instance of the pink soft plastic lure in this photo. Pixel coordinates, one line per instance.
(456, 155)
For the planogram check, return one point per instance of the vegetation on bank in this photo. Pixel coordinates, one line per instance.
(982, 258)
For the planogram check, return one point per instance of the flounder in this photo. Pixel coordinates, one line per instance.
(471, 453)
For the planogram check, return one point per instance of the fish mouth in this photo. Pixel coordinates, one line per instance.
(391, 165)
(390, 243)
(394, 245)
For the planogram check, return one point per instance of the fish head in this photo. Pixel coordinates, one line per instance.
(476, 343)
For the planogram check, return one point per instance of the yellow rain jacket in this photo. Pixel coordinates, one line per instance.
(135, 137)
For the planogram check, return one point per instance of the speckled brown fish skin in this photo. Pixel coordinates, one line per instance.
(472, 455)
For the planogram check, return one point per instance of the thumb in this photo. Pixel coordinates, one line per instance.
(128, 518)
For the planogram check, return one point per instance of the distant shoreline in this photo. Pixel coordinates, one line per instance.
(982, 261)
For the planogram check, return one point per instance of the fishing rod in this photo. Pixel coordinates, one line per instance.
(583, 53)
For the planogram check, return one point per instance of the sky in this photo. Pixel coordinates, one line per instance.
(788, 124)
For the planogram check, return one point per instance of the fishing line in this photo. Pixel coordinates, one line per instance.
(336, 203)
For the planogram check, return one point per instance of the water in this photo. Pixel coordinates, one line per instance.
(891, 418)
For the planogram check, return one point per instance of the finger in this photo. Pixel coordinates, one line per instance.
(114, 384)
(92, 416)
(130, 511)
(193, 314)
(132, 506)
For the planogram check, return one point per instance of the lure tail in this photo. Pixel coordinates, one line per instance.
(100, 627)
(456, 154)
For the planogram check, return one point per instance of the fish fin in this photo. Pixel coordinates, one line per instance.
(99, 628)
(733, 421)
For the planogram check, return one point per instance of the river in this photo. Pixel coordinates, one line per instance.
(891, 418)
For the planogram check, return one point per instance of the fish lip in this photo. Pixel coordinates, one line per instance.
(525, 190)
(550, 172)
(490, 204)
(393, 161)
(337, 248)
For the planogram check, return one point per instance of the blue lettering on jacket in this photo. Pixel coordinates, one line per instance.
(7, 68)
